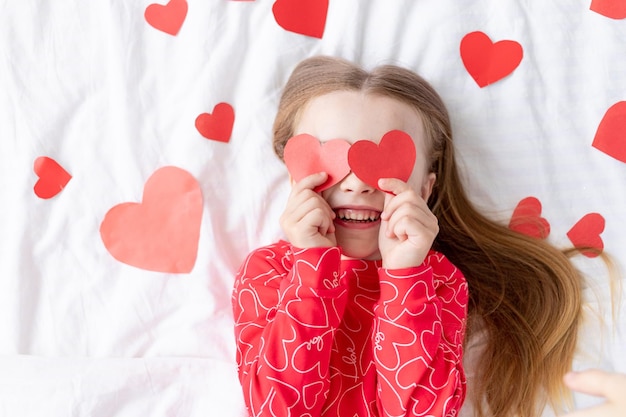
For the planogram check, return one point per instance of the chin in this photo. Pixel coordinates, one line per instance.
(368, 256)
(359, 247)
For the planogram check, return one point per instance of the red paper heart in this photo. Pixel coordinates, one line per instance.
(305, 155)
(586, 234)
(611, 137)
(393, 157)
(52, 177)
(526, 219)
(218, 125)
(168, 18)
(615, 9)
(306, 17)
(488, 62)
(161, 233)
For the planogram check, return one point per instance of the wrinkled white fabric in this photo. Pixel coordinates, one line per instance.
(111, 99)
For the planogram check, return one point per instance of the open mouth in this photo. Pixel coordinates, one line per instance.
(357, 215)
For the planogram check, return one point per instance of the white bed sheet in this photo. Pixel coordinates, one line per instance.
(96, 88)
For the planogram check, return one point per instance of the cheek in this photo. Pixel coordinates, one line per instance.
(422, 183)
(416, 180)
(331, 195)
(421, 179)
(328, 193)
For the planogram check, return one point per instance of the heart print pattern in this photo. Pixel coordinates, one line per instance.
(320, 336)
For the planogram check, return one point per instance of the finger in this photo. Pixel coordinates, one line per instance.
(401, 214)
(319, 219)
(400, 229)
(304, 189)
(416, 213)
(407, 200)
(310, 182)
(305, 203)
(305, 231)
(402, 193)
(323, 220)
(411, 206)
(597, 382)
(411, 228)
(393, 185)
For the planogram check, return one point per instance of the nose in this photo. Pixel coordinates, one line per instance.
(352, 184)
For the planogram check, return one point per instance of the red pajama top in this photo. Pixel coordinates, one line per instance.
(321, 336)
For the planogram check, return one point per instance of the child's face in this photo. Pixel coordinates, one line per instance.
(352, 116)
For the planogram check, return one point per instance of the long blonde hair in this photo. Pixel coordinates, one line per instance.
(524, 293)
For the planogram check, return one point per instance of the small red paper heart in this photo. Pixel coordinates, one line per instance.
(162, 232)
(305, 155)
(393, 157)
(586, 234)
(488, 62)
(527, 220)
(306, 17)
(167, 18)
(614, 9)
(611, 137)
(218, 125)
(52, 177)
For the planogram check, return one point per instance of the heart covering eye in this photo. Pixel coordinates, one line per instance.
(393, 157)
(305, 155)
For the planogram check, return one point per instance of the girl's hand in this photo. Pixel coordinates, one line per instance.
(611, 386)
(308, 219)
(408, 227)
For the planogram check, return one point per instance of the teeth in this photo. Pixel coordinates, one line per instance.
(358, 215)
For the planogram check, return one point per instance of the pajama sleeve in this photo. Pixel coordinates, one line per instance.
(286, 310)
(418, 339)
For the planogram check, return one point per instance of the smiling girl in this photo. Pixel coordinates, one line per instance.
(361, 311)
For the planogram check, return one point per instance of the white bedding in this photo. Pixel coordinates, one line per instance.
(88, 326)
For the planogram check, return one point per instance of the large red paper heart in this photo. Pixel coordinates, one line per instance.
(168, 18)
(217, 125)
(586, 234)
(305, 155)
(611, 134)
(488, 62)
(52, 177)
(614, 9)
(393, 157)
(306, 17)
(526, 219)
(162, 232)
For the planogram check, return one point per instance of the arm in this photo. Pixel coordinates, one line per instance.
(418, 340)
(611, 386)
(285, 318)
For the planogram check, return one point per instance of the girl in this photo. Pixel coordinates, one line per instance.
(355, 314)
(359, 312)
